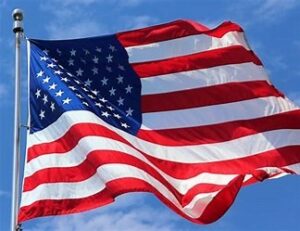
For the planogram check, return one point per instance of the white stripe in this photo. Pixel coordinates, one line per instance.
(199, 203)
(241, 110)
(295, 168)
(232, 149)
(203, 78)
(88, 144)
(183, 46)
(70, 118)
(96, 183)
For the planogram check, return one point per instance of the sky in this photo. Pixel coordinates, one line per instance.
(273, 31)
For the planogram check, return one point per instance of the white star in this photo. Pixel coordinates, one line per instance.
(121, 67)
(91, 96)
(95, 92)
(88, 82)
(43, 58)
(42, 114)
(54, 60)
(86, 52)
(73, 88)
(52, 106)
(73, 52)
(58, 72)
(109, 58)
(85, 103)
(117, 116)
(95, 59)
(104, 81)
(120, 79)
(79, 72)
(99, 105)
(52, 86)
(103, 100)
(46, 80)
(38, 93)
(67, 100)
(51, 65)
(128, 89)
(79, 96)
(112, 48)
(106, 114)
(58, 51)
(71, 62)
(77, 81)
(98, 49)
(129, 112)
(46, 51)
(125, 125)
(40, 74)
(45, 99)
(110, 108)
(85, 89)
(59, 93)
(112, 91)
(108, 69)
(65, 79)
(95, 71)
(120, 101)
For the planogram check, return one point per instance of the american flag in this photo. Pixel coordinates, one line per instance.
(179, 110)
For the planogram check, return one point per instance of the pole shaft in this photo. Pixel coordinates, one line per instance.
(16, 140)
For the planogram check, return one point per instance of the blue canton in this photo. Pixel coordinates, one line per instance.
(83, 74)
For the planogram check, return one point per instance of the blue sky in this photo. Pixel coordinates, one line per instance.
(272, 29)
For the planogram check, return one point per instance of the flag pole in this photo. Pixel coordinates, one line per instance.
(18, 30)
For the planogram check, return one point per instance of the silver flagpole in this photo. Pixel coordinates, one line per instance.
(18, 30)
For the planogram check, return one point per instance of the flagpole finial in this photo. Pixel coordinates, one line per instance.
(18, 20)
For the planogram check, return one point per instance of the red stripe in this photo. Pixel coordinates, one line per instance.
(206, 59)
(57, 207)
(171, 137)
(206, 96)
(70, 139)
(221, 132)
(280, 157)
(98, 158)
(89, 167)
(222, 201)
(247, 165)
(172, 30)
(67, 206)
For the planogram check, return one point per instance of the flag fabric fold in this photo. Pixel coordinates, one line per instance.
(179, 110)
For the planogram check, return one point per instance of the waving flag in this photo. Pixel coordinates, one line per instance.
(179, 110)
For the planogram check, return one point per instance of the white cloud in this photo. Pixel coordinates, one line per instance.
(74, 22)
(211, 23)
(128, 213)
(76, 30)
(76, 2)
(270, 10)
(295, 97)
(134, 22)
(3, 92)
(262, 11)
(122, 3)
(278, 62)
(297, 43)
(4, 193)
